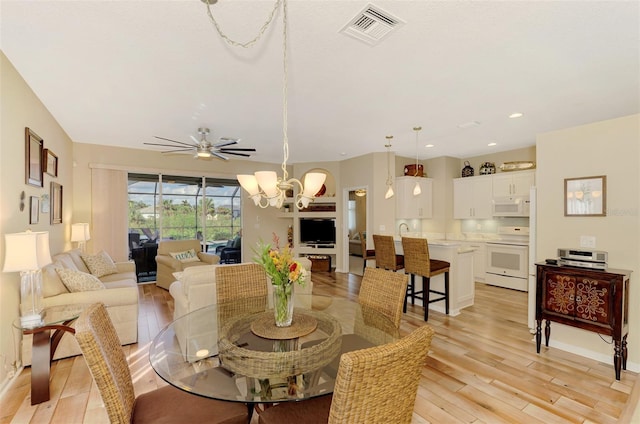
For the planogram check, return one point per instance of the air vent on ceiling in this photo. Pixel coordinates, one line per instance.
(372, 25)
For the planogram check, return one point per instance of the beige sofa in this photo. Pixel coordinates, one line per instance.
(120, 296)
(167, 265)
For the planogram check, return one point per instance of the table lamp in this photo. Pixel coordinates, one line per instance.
(80, 234)
(27, 253)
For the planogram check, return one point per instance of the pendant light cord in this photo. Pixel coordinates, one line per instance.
(250, 43)
(417, 130)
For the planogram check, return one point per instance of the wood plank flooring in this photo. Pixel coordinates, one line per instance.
(482, 368)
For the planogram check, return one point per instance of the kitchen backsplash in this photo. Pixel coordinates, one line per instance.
(490, 226)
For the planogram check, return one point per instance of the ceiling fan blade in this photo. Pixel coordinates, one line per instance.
(224, 141)
(237, 154)
(219, 156)
(175, 141)
(167, 145)
(177, 150)
(238, 149)
(195, 140)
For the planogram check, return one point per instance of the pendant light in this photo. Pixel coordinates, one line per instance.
(389, 193)
(417, 189)
(266, 188)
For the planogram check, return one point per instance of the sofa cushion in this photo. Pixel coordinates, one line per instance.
(52, 285)
(76, 257)
(77, 281)
(100, 264)
(65, 260)
(185, 256)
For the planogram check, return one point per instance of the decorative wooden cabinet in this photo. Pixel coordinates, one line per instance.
(589, 299)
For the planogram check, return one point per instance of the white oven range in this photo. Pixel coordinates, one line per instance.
(508, 259)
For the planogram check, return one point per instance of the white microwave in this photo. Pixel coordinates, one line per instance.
(511, 206)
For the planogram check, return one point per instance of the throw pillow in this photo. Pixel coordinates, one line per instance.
(186, 256)
(77, 281)
(100, 264)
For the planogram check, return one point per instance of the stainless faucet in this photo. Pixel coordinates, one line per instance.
(400, 228)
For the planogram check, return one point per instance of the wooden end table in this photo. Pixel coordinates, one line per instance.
(56, 318)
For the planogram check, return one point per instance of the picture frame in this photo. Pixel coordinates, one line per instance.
(585, 196)
(45, 204)
(33, 158)
(50, 163)
(56, 203)
(34, 216)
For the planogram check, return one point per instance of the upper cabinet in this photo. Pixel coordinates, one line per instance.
(410, 206)
(513, 183)
(472, 197)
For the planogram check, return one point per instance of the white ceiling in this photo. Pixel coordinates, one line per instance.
(119, 72)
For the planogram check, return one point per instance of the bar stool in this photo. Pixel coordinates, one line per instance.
(385, 251)
(417, 262)
(366, 253)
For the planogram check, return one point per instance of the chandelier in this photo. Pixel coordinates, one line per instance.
(266, 188)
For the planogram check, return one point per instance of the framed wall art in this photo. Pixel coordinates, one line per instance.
(586, 196)
(33, 158)
(44, 203)
(34, 216)
(56, 203)
(50, 163)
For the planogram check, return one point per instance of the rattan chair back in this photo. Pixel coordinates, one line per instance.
(416, 257)
(101, 348)
(239, 281)
(384, 291)
(385, 251)
(380, 384)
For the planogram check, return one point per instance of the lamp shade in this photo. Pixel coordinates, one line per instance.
(80, 232)
(26, 251)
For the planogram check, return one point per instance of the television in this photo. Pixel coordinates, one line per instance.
(317, 231)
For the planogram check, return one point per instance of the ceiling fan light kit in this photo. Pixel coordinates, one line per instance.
(265, 188)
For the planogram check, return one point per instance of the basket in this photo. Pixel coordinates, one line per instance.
(410, 170)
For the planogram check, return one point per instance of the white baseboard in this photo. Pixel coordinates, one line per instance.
(8, 382)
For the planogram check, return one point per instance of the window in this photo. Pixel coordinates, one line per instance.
(176, 207)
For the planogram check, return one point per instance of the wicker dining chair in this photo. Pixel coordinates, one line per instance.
(384, 291)
(101, 348)
(385, 250)
(418, 262)
(366, 253)
(237, 281)
(374, 385)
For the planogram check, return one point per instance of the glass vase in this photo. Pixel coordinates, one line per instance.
(283, 304)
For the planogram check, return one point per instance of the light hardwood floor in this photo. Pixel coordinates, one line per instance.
(482, 368)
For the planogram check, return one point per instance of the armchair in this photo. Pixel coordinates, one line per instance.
(230, 253)
(167, 264)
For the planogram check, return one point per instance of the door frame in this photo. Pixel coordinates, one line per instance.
(345, 220)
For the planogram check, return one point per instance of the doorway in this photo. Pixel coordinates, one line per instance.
(356, 223)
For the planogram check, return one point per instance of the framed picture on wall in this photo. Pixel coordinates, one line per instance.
(34, 216)
(56, 203)
(44, 203)
(585, 196)
(50, 163)
(33, 158)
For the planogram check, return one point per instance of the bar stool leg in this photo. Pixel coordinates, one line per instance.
(413, 289)
(446, 291)
(426, 295)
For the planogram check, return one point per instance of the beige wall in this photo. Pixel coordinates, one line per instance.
(608, 148)
(20, 108)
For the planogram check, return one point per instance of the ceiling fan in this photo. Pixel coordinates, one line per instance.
(203, 148)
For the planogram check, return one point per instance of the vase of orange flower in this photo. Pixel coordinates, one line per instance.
(285, 272)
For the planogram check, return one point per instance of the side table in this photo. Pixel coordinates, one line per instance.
(56, 318)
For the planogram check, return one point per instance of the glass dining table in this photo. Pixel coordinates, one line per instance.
(233, 351)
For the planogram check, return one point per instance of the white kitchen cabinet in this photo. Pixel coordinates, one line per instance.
(472, 197)
(409, 206)
(513, 183)
(479, 258)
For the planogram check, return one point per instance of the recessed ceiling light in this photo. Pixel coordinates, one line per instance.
(516, 115)
(493, 143)
(429, 145)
